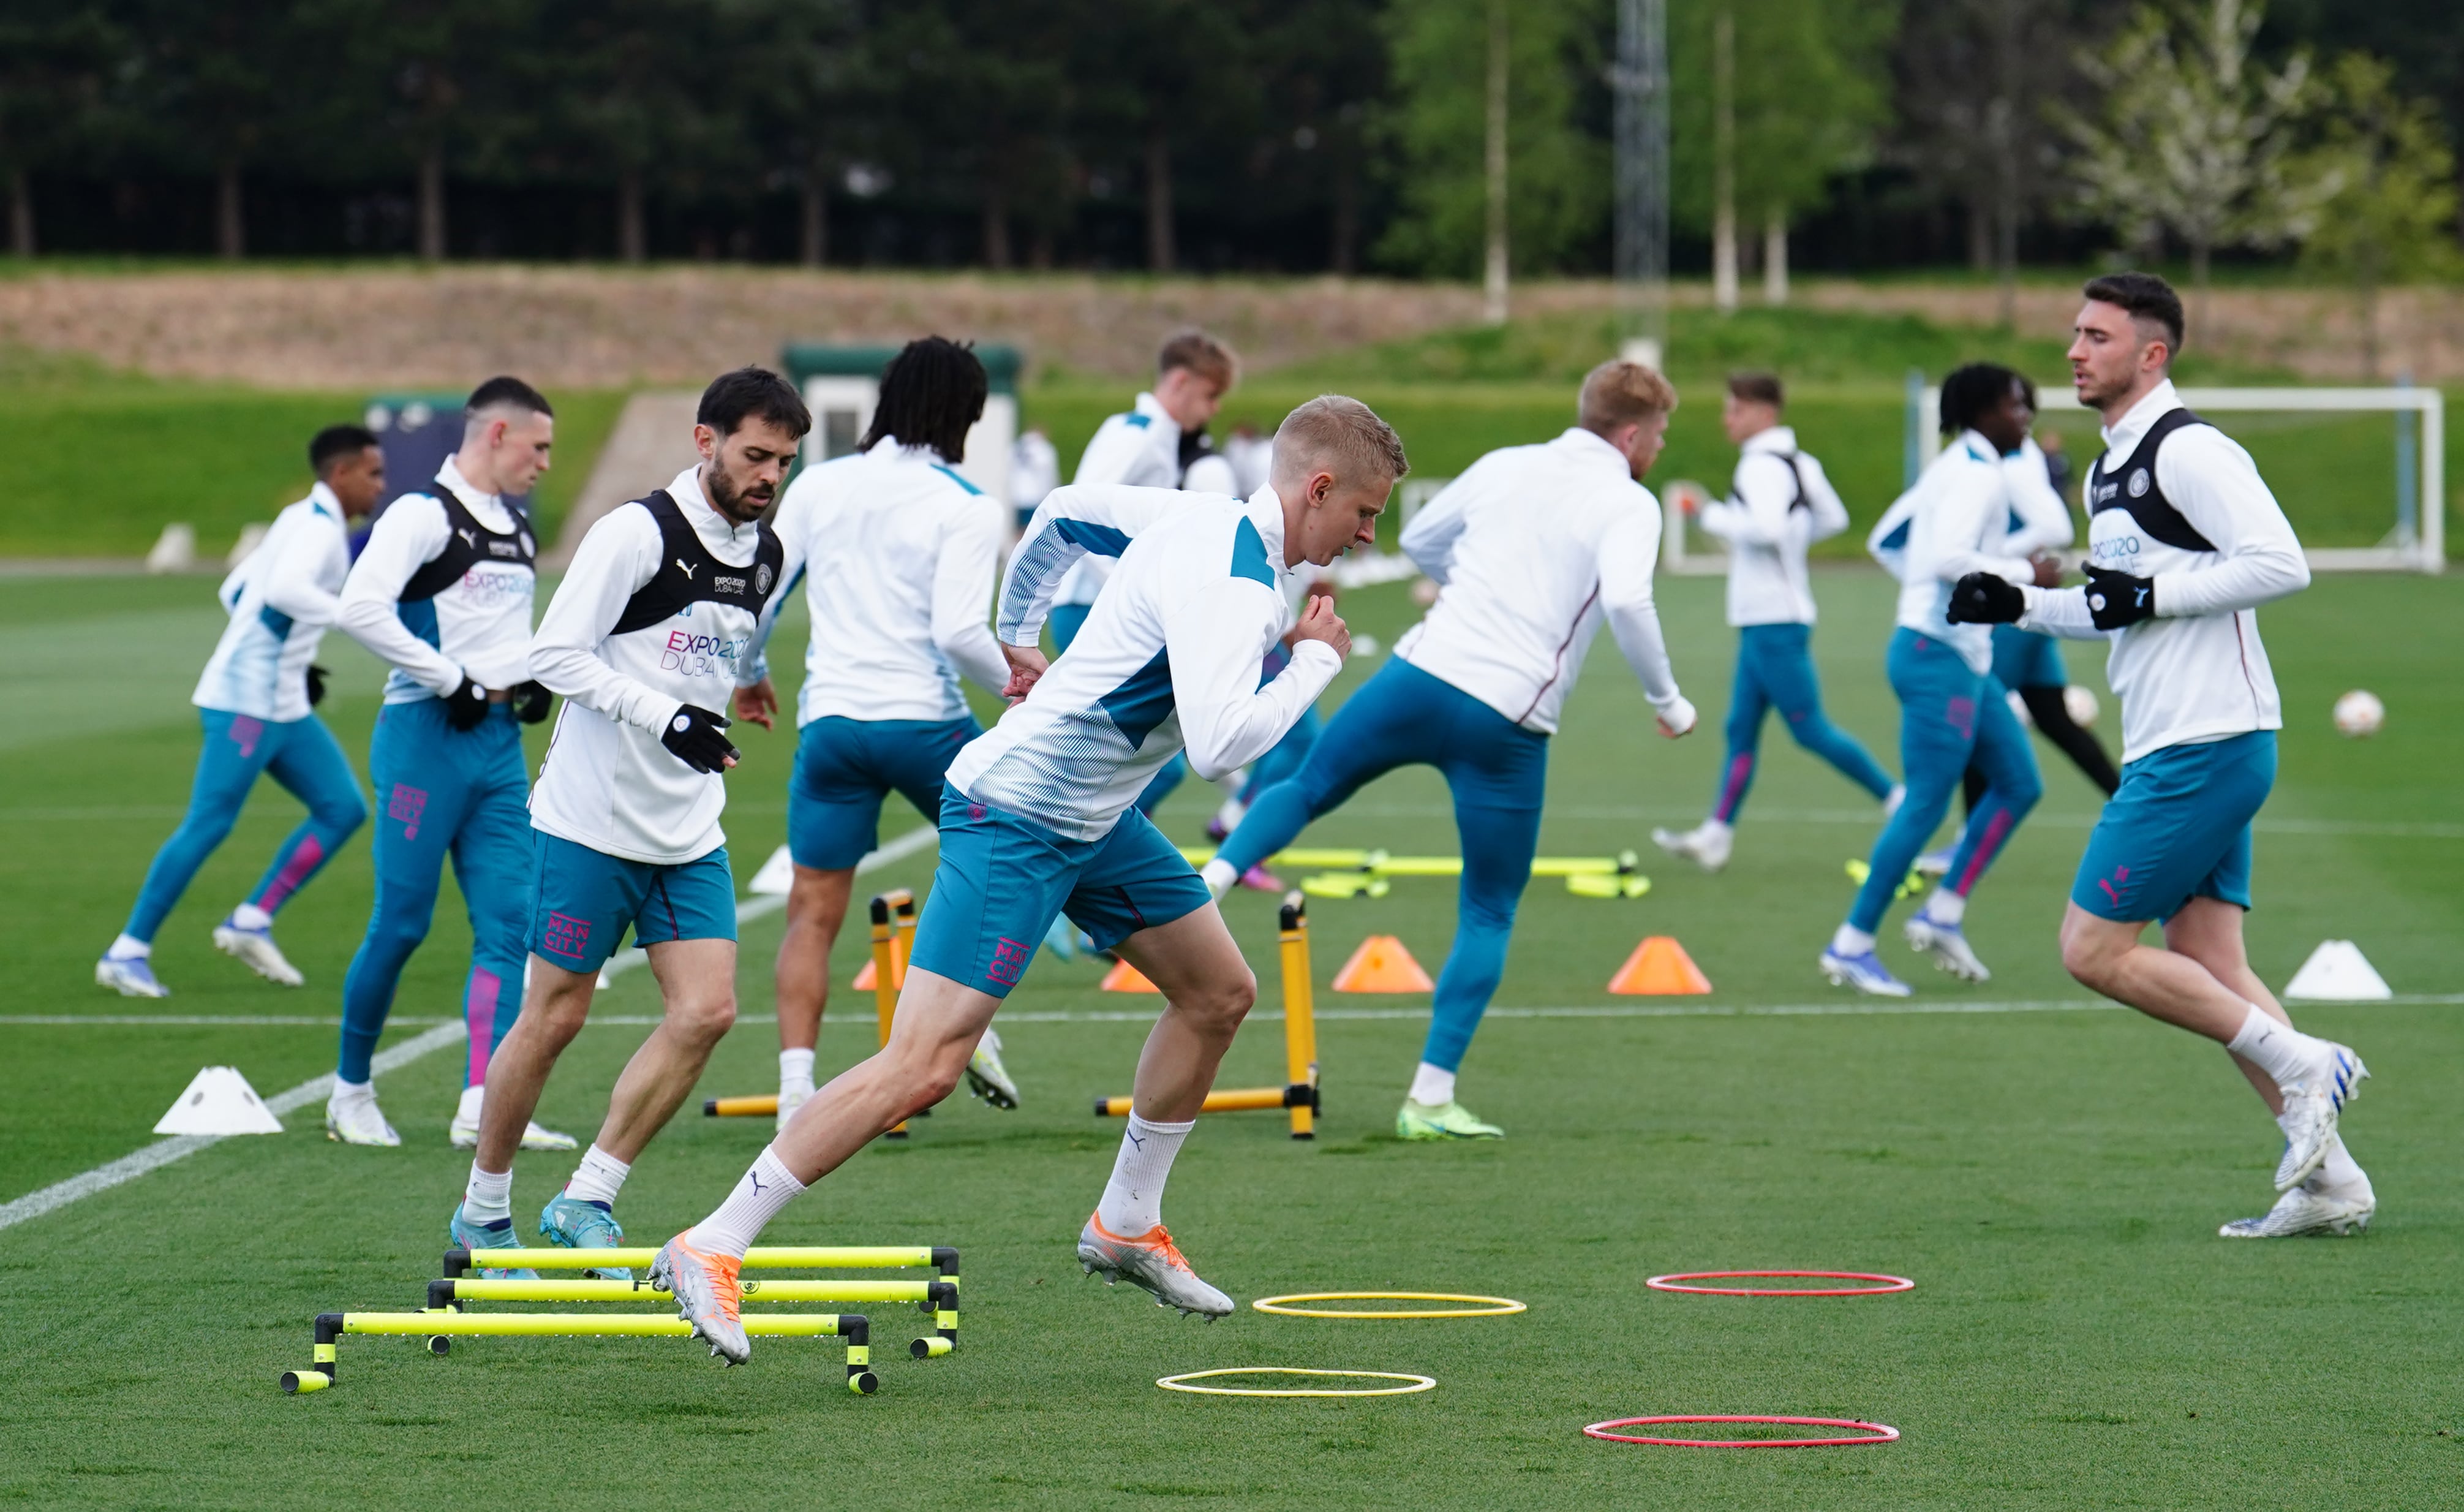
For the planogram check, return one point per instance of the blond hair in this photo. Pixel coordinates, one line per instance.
(1201, 355)
(1339, 436)
(1619, 393)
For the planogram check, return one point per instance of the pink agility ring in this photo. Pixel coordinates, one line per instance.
(1871, 1433)
(1889, 1283)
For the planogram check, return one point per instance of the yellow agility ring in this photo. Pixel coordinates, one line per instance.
(1482, 1306)
(1414, 1382)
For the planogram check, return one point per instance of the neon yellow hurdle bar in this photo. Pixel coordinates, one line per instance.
(460, 1262)
(439, 1327)
(465, 1288)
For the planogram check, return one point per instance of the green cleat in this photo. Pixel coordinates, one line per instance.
(579, 1225)
(1454, 1120)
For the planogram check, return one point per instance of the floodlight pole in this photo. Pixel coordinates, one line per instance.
(1640, 84)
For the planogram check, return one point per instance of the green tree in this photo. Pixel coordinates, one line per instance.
(54, 59)
(2386, 208)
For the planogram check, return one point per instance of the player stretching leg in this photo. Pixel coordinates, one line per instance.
(1535, 546)
(1040, 818)
(1779, 503)
(899, 556)
(644, 638)
(1952, 711)
(443, 591)
(258, 700)
(2185, 541)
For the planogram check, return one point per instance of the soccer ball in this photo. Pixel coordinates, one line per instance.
(2358, 713)
(2082, 704)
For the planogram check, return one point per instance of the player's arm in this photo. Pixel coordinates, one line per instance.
(2213, 481)
(1974, 512)
(293, 564)
(1071, 522)
(1429, 537)
(1829, 512)
(618, 556)
(2045, 520)
(1887, 542)
(1214, 641)
(1629, 555)
(963, 590)
(407, 536)
(1759, 515)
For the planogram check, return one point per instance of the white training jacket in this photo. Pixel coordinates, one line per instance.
(281, 599)
(2040, 521)
(645, 621)
(478, 623)
(1168, 658)
(898, 554)
(1140, 448)
(1533, 548)
(1959, 523)
(2202, 523)
(1779, 503)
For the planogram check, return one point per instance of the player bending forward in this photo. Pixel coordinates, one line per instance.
(1536, 547)
(899, 555)
(1039, 819)
(643, 639)
(2184, 543)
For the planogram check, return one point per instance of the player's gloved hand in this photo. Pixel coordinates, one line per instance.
(532, 701)
(2115, 599)
(1980, 598)
(315, 685)
(694, 736)
(1678, 718)
(465, 707)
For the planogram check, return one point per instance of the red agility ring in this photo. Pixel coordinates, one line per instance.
(1870, 1433)
(1889, 1283)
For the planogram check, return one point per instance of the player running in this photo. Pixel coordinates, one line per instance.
(1779, 503)
(1952, 711)
(898, 554)
(443, 591)
(2185, 541)
(1535, 548)
(258, 702)
(644, 638)
(1040, 819)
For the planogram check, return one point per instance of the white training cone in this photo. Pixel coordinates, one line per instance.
(219, 1101)
(2338, 972)
(777, 874)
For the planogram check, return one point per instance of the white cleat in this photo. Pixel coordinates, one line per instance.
(986, 1076)
(464, 1130)
(1934, 863)
(2303, 1212)
(1706, 845)
(1947, 947)
(358, 1120)
(1866, 972)
(256, 949)
(129, 976)
(1153, 1262)
(2312, 1108)
(789, 1101)
(707, 1296)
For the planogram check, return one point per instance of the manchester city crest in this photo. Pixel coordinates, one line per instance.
(762, 576)
(2138, 484)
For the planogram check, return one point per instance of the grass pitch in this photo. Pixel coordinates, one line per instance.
(2050, 1170)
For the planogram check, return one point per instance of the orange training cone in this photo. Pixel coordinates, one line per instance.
(1127, 978)
(1660, 967)
(864, 978)
(1381, 964)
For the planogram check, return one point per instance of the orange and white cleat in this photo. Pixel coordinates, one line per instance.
(1151, 1260)
(706, 1294)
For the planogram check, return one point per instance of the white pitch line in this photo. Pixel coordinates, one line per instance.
(180, 1147)
(1707, 1010)
(751, 908)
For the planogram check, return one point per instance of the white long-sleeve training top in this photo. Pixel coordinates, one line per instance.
(2039, 518)
(1140, 448)
(2199, 521)
(443, 588)
(1534, 547)
(657, 612)
(898, 555)
(1168, 659)
(279, 600)
(1959, 520)
(1780, 501)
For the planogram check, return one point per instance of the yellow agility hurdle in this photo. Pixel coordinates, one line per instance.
(937, 1299)
(1356, 873)
(1299, 1094)
(460, 1262)
(439, 1328)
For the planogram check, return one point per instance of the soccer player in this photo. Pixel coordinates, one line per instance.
(2184, 542)
(443, 591)
(257, 701)
(644, 638)
(1952, 711)
(1779, 503)
(1039, 819)
(1535, 548)
(898, 554)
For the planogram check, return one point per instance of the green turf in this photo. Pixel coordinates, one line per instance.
(2052, 1178)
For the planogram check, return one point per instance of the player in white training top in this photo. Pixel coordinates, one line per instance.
(644, 639)
(2184, 542)
(1040, 819)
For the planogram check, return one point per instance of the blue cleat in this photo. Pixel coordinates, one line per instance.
(496, 1235)
(575, 1224)
(1865, 972)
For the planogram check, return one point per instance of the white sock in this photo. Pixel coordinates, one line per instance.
(1229, 815)
(795, 1071)
(598, 1178)
(758, 1195)
(1433, 1086)
(1945, 907)
(248, 916)
(1892, 800)
(346, 1093)
(490, 1195)
(1133, 1198)
(474, 1097)
(1219, 878)
(128, 945)
(1716, 828)
(2339, 1175)
(1850, 940)
(2277, 1048)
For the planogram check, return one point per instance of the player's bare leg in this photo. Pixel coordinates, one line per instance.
(817, 905)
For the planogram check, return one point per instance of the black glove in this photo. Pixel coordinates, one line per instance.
(2115, 599)
(532, 701)
(465, 707)
(1980, 598)
(693, 735)
(315, 685)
